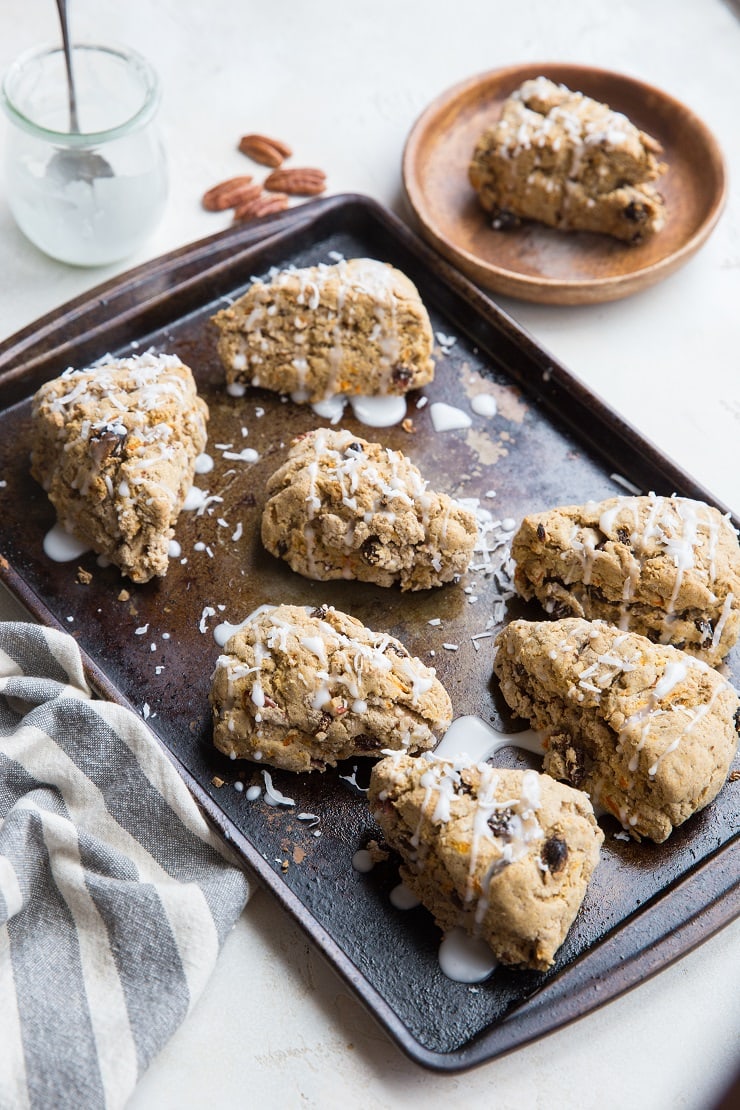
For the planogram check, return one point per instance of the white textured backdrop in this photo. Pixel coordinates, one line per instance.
(343, 82)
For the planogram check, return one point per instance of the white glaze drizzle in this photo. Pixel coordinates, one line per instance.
(124, 393)
(346, 469)
(344, 690)
(720, 625)
(687, 531)
(664, 697)
(312, 290)
(580, 121)
(273, 796)
(443, 786)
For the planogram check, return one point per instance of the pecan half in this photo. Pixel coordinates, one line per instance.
(227, 194)
(108, 440)
(266, 151)
(263, 205)
(297, 182)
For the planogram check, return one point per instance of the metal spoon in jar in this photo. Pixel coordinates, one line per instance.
(74, 163)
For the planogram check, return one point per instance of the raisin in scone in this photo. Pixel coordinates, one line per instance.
(340, 507)
(114, 446)
(504, 855)
(301, 688)
(666, 567)
(356, 328)
(570, 162)
(648, 731)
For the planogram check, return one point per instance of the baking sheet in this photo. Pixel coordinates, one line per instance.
(551, 442)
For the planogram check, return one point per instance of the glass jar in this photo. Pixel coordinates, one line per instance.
(93, 195)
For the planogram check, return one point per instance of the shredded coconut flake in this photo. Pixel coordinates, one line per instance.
(208, 611)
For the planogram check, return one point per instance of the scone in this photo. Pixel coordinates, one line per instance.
(340, 507)
(666, 567)
(358, 327)
(648, 731)
(114, 446)
(570, 162)
(505, 855)
(301, 688)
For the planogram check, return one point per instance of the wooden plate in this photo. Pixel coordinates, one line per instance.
(537, 263)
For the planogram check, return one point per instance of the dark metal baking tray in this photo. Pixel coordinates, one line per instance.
(552, 442)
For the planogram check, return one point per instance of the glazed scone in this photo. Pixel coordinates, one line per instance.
(647, 731)
(666, 567)
(355, 328)
(114, 446)
(504, 855)
(570, 162)
(340, 507)
(302, 688)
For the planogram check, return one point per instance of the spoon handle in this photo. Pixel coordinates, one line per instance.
(74, 125)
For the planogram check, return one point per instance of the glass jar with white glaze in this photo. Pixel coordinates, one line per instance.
(90, 195)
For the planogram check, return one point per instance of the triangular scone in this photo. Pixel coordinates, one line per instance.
(505, 855)
(570, 162)
(357, 327)
(666, 567)
(302, 688)
(114, 446)
(340, 507)
(648, 731)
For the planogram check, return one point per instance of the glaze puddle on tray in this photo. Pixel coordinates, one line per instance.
(61, 547)
(466, 959)
(471, 736)
(381, 411)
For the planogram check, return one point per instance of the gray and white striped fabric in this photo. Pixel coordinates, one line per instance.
(115, 895)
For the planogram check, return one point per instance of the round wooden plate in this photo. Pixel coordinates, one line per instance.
(537, 263)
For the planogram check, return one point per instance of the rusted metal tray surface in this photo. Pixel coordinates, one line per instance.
(551, 442)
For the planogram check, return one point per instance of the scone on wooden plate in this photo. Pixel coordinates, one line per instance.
(302, 688)
(355, 328)
(114, 446)
(504, 855)
(667, 567)
(340, 507)
(570, 162)
(648, 731)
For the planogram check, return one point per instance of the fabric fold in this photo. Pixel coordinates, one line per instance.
(115, 893)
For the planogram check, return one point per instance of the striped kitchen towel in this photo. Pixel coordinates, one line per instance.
(115, 895)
